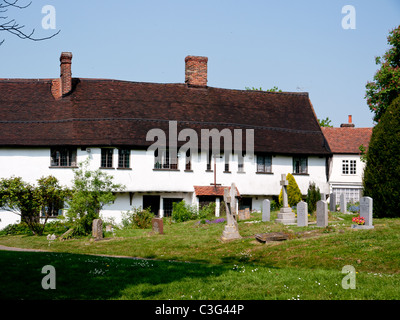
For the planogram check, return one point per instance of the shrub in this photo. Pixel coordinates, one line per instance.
(183, 212)
(294, 193)
(313, 196)
(382, 172)
(207, 211)
(137, 217)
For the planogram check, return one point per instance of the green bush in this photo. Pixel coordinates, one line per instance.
(294, 193)
(381, 179)
(207, 211)
(16, 229)
(313, 196)
(183, 212)
(137, 217)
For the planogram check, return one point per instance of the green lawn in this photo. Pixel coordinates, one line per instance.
(190, 262)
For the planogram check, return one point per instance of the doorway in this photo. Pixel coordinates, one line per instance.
(152, 202)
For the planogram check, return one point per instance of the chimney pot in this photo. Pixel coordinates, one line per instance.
(349, 124)
(196, 71)
(65, 72)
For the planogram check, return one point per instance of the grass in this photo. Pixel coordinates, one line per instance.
(190, 262)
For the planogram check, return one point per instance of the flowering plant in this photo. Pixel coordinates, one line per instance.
(359, 220)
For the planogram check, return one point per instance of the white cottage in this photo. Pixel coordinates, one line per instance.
(48, 126)
(346, 168)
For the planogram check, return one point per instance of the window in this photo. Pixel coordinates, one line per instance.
(300, 165)
(264, 163)
(123, 158)
(351, 194)
(349, 167)
(188, 165)
(63, 157)
(240, 164)
(168, 204)
(53, 209)
(107, 158)
(163, 160)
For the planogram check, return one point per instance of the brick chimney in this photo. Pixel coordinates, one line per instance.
(65, 72)
(196, 71)
(349, 124)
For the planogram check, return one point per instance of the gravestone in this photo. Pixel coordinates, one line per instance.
(332, 202)
(266, 210)
(109, 228)
(366, 204)
(158, 225)
(97, 229)
(231, 230)
(285, 215)
(343, 203)
(302, 214)
(244, 214)
(322, 213)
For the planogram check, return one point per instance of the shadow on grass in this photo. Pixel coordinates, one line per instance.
(92, 277)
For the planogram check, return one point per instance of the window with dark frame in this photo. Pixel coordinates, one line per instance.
(300, 165)
(188, 163)
(163, 160)
(349, 167)
(63, 157)
(107, 157)
(124, 158)
(264, 163)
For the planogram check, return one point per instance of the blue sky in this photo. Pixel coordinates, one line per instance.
(294, 45)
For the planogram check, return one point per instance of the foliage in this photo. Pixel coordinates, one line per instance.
(137, 217)
(381, 179)
(273, 89)
(28, 201)
(183, 212)
(91, 191)
(325, 122)
(313, 196)
(293, 190)
(207, 211)
(363, 153)
(386, 85)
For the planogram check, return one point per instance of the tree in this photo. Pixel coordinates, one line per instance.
(313, 196)
(91, 191)
(381, 179)
(12, 26)
(273, 89)
(386, 85)
(28, 201)
(325, 122)
(293, 190)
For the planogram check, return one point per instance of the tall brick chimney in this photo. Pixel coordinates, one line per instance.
(65, 72)
(349, 124)
(196, 71)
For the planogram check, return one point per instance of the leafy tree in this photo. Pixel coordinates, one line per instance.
(273, 89)
(313, 196)
(325, 122)
(381, 179)
(27, 200)
(386, 85)
(91, 191)
(293, 190)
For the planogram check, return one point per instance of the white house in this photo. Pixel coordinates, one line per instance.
(345, 167)
(48, 126)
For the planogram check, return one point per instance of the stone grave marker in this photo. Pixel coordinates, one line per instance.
(343, 203)
(366, 210)
(322, 214)
(244, 214)
(286, 215)
(158, 225)
(97, 229)
(266, 210)
(231, 230)
(332, 202)
(302, 214)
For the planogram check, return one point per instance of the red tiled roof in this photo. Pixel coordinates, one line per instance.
(120, 113)
(347, 139)
(211, 190)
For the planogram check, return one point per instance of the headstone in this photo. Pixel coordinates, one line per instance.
(231, 230)
(285, 215)
(244, 214)
(158, 225)
(97, 229)
(109, 228)
(302, 214)
(366, 211)
(322, 213)
(266, 210)
(343, 203)
(332, 202)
